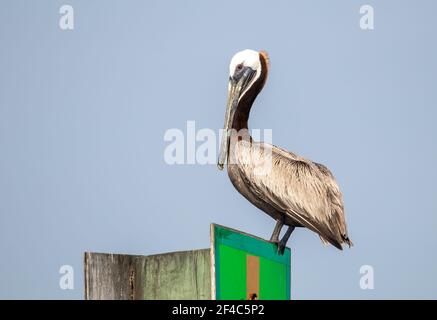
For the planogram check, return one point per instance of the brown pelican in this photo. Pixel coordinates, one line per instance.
(294, 191)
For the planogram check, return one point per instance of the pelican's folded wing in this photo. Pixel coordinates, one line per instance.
(292, 185)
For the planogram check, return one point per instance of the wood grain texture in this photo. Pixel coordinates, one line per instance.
(177, 275)
(113, 276)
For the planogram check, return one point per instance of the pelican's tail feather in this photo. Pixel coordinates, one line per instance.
(348, 241)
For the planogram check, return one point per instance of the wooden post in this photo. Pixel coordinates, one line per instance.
(237, 266)
(177, 275)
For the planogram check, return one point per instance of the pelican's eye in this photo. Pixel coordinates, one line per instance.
(239, 72)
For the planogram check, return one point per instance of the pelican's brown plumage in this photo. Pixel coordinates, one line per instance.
(293, 190)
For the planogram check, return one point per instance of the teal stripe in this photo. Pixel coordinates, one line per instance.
(252, 245)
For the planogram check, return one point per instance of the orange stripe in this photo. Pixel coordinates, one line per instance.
(252, 277)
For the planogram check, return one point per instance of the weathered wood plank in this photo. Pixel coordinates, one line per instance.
(113, 276)
(177, 275)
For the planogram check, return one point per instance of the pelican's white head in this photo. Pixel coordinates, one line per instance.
(245, 60)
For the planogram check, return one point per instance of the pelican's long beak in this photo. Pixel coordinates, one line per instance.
(235, 88)
(231, 106)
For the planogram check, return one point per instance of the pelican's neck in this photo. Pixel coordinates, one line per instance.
(241, 117)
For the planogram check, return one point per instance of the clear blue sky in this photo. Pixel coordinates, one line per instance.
(83, 115)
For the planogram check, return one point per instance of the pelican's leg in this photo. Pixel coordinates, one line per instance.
(275, 235)
(283, 242)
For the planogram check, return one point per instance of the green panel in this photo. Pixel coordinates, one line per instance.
(231, 248)
(232, 273)
(273, 280)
